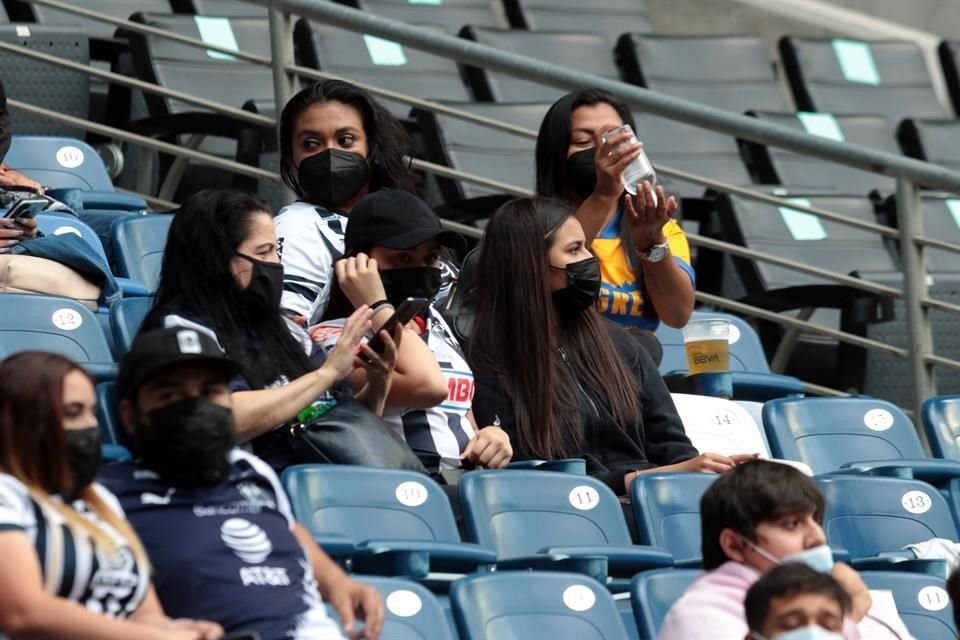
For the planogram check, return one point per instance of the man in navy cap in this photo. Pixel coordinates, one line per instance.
(214, 519)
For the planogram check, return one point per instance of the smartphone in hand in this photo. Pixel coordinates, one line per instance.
(404, 314)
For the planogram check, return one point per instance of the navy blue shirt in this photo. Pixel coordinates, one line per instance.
(225, 553)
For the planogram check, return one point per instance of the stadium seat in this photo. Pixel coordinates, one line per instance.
(726, 72)
(411, 611)
(609, 18)
(773, 165)
(29, 12)
(228, 8)
(378, 62)
(138, 247)
(381, 511)
(652, 594)
(941, 422)
(126, 316)
(848, 77)
(922, 602)
(45, 85)
(587, 52)
(541, 519)
(465, 146)
(58, 162)
(829, 433)
(61, 325)
(108, 419)
(950, 63)
(752, 378)
(54, 224)
(931, 140)
(720, 426)
(520, 606)
(868, 515)
(110, 453)
(666, 507)
(449, 15)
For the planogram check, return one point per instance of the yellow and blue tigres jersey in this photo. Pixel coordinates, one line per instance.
(622, 297)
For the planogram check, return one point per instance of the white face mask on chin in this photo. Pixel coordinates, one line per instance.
(813, 632)
(819, 558)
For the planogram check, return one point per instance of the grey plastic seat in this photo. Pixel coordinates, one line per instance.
(587, 52)
(774, 165)
(228, 8)
(382, 63)
(935, 141)
(94, 29)
(607, 17)
(449, 15)
(887, 78)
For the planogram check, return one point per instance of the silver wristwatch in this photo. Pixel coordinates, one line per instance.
(656, 253)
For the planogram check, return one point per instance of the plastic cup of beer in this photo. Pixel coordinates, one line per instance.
(708, 346)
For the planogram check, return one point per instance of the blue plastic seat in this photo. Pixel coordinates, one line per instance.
(54, 224)
(126, 316)
(922, 602)
(941, 422)
(111, 429)
(653, 593)
(62, 163)
(752, 378)
(363, 512)
(666, 507)
(60, 325)
(138, 244)
(546, 520)
(411, 611)
(871, 515)
(525, 605)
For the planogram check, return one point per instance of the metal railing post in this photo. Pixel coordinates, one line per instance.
(281, 50)
(920, 339)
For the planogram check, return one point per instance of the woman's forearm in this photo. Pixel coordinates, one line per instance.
(670, 290)
(259, 412)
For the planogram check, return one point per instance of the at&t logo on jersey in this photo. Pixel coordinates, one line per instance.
(251, 544)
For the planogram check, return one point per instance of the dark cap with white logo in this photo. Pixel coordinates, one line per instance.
(163, 349)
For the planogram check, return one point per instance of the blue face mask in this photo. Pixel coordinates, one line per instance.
(813, 632)
(819, 558)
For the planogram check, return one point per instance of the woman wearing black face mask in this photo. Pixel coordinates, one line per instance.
(644, 255)
(558, 378)
(337, 143)
(72, 565)
(393, 246)
(221, 273)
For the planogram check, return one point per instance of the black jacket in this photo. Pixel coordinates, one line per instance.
(654, 438)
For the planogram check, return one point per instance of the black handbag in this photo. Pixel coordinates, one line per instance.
(349, 433)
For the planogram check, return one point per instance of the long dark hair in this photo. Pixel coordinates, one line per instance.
(33, 447)
(387, 141)
(553, 142)
(517, 331)
(196, 281)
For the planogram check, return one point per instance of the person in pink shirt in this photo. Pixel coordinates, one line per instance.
(795, 602)
(755, 517)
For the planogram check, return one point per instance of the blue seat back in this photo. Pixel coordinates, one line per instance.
(512, 605)
(666, 507)
(867, 514)
(126, 316)
(746, 352)
(369, 504)
(55, 224)
(518, 513)
(826, 433)
(59, 163)
(50, 323)
(654, 592)
(108, 417)
(941, 422)
(411, 612)
(922, 602)
(138, 243)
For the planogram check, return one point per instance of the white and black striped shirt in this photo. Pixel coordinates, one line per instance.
(74, 566)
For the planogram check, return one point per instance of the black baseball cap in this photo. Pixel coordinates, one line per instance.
(395, 219)
(162, 349)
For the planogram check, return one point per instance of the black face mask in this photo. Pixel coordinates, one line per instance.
(333, 176)
(266, 284)
(582, 173)
(187, 442)
(583, 286)
(411, 282)
(83, 453)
